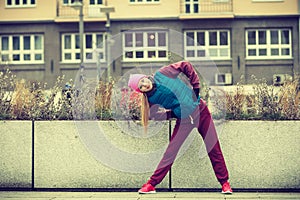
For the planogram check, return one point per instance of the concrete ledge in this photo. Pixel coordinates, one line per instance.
(259, 154)
(15, 154)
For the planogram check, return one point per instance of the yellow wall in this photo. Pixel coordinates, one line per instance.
(44, 10)
(126, 10)
(252, 7)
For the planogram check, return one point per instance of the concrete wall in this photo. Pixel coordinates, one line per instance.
(68, 154)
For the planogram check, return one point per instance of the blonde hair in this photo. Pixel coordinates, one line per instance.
(145, 112)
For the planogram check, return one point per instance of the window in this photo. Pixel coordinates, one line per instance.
(96, 2)
(144, 1)
(20, 3)
(22, 49)
(69, 2)
(202, 44)
(268, 44)
(145, 45)
(93, 47)
(191, 6)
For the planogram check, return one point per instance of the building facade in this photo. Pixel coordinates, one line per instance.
(41, 40)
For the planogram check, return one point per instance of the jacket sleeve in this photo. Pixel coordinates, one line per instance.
(184, 67)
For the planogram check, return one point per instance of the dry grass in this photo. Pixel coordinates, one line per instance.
(32, 101)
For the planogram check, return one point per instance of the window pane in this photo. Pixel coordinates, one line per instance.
(99, 41)
(26, 57)
(24, 2)
(77, 41)
(190, 38)
(213, 52)
(262, 52)
(139, 54)
(26, 41)
(37, 42)
(212, 38)
(16, 57)
(162, 54)
(99, 2)
(9, 2)
(200, 38)
(68, 56)
(151, 54)
(262, 35)
(252, 52)
(151, 39)
(285, 52)
(16, 43)
(251, 37)
(32, 2)
(223, 38)
(139, 40)
(4, 43)
(161, 39)
(187, 9)
(4, 57)
(88, 41)
(38, 56)
(196, 8)
(274, 37)
(92, 2)
(201, 53)
(224, 52)
(190, 53)
(17, 2)
(67, 44)
(285, 37)
(128, 39)
(129, 54)
(275, 52)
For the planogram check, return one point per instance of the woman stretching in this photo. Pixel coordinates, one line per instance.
(181, 101)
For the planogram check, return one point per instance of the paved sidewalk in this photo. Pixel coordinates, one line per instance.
(13, 195)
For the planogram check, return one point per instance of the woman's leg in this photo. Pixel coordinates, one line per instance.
(208, 132)
(180, 133)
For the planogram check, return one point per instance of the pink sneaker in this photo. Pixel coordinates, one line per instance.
(147, 188)
(226, 189)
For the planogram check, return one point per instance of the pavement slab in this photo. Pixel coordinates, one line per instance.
(21, 195)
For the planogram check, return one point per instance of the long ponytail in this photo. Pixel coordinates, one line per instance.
(145, 111)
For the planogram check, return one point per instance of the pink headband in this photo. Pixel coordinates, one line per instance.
(134, 80)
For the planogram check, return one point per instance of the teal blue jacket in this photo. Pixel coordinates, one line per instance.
(172, 93)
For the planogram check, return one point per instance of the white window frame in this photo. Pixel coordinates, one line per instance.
(268, 47)
(145, 49)
(192, 5)
(22, 55)
(21, 4)
(91, 54)
(221, 52)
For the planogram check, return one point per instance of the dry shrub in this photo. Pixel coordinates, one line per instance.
(7, 85)
(103, 99)
(289, 100)
(235, 103)
(22, 101)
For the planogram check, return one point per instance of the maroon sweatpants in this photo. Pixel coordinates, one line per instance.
(202, 120)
